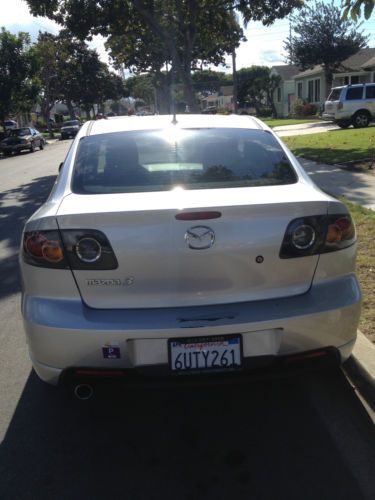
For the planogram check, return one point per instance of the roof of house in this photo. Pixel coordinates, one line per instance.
(286, 71)
(369, 64)
(358, 61)
(311, 71)
(364, 58)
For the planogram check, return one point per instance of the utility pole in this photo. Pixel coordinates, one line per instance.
(234, 76)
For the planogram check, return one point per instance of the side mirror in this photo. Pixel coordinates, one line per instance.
(61, 166)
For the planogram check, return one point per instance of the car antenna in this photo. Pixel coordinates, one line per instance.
(174, 119)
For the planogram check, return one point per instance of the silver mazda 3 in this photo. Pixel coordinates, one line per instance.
(177, 246)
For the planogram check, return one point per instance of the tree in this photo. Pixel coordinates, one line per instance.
(256, 85)
(50, 53)
(323, 37)
(354, 7)
(183, 33)
(18, 86)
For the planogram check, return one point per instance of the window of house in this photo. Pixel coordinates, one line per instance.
(370, 92)
(310, 92)
(278, 94)
(354, 80)
(346, 80)
(354, 93)
(317, 90)
(299, 90)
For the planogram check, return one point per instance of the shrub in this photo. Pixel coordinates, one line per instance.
(301, 108)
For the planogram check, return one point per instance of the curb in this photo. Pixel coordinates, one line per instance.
(360, 371)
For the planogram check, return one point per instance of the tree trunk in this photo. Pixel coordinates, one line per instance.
(70, 107)
(46, 108)
(234, 76)
(189, 90)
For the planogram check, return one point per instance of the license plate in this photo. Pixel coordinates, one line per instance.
(219, 353)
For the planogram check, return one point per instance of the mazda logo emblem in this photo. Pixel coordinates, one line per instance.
(200, 237)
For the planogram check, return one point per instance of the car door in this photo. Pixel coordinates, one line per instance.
(370, 99)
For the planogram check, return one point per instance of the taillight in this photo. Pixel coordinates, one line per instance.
(318, 234)
(44, 249)
(88, 249)
(74, 248)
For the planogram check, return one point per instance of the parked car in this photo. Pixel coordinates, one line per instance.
(184, 246)
(10, 124)
(19, 139)
(70, 129)
(351, 105)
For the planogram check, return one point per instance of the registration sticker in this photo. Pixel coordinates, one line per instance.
(111, 351)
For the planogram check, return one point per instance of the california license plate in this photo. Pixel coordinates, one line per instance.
(220, 353)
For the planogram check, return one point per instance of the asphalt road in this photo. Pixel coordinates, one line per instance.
(301, 435)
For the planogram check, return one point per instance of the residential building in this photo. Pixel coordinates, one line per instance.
(285, 93)
(310, 85)
(221, 99)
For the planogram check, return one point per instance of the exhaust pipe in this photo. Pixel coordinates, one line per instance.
(83, 391)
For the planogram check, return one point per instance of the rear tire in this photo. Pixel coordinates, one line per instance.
(361, 119)
(41, 145)
(343, 124)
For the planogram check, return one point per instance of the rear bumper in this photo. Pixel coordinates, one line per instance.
(14, 148)
(64, 333)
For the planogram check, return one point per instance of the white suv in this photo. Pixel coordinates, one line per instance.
(351, 105)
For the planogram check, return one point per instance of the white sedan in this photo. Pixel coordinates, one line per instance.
(183, 246)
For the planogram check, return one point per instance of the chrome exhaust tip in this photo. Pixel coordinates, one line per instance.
(83, 391)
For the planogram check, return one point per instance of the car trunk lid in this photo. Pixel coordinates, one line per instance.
(159, 264)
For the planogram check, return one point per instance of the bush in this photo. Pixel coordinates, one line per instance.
(264, 111)
(301, 108)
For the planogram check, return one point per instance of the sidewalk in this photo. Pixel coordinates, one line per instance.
(354, 186)
(307, 128)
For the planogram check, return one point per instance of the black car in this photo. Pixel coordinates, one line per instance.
(19, 139)
(70, 129)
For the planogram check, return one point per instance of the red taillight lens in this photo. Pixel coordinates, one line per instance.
(44, 249)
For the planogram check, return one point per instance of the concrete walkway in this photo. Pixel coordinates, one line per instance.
(306, 128)
(354, 186)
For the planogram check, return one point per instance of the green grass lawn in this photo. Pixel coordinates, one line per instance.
(280, 122)
(336, 146)
(365, 223)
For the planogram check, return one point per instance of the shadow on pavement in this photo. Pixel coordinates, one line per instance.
(16, 206)
(288, 437)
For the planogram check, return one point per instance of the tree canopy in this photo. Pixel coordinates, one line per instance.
(18, 86)
(354, 8)
(147, 34)
(321, 36)
(256, 86)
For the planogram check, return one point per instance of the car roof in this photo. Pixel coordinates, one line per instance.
(125, 123)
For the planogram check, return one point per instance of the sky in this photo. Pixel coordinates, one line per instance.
(264, 45)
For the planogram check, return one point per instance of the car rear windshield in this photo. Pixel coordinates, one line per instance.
(160, 160)
(70, 124)
(19, 132)
(334, 95)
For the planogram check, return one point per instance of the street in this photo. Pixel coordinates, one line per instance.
(298, 435)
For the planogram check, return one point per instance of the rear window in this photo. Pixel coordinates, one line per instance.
(354, 93)
(334, 95)
(71, 123)
(161, 160)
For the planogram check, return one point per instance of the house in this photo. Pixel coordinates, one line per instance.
(310, 85)
(284, 94)
(221, 99)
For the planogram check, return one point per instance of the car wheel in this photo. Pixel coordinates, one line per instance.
(32, 147)
(7, 153)
(41, 145)
(343, 123)
(361, 119)
(62, 137)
